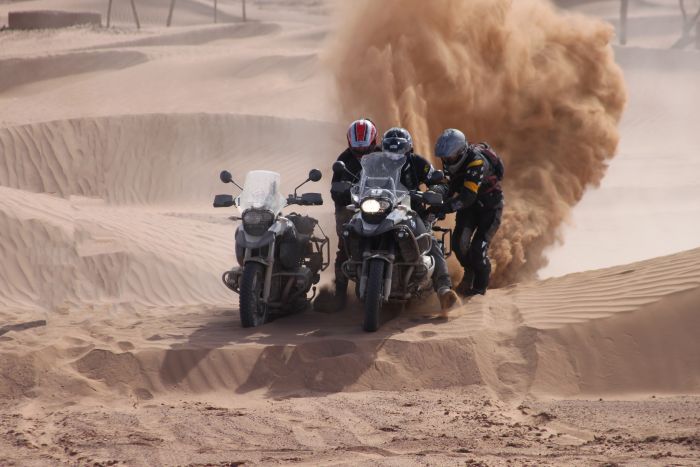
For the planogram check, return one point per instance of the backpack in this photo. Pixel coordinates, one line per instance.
(497, 167)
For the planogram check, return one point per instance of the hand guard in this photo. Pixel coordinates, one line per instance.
(340, 192)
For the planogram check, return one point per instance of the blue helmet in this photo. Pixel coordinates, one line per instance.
(450, 146)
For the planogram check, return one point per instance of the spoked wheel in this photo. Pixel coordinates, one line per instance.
(374, 295)
(253, 310)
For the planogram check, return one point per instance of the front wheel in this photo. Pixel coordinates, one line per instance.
(374, 294)
(253, 310)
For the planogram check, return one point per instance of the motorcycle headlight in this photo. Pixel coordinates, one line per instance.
(374, 210)
(257, 221)
(375, 206)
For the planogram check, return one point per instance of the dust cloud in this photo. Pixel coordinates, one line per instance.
(540, 86)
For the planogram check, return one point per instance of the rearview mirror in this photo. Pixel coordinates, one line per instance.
(225, 176)
(315, 175)
(338, 167)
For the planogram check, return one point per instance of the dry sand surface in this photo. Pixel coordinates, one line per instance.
(120, 345)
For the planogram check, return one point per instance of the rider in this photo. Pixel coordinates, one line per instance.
(476, 196)
(416, 171)
(362, 140)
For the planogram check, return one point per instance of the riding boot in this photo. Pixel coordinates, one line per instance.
(340, 296)
(471, 292)
(448, 298)
(466, 285)
(482, 275)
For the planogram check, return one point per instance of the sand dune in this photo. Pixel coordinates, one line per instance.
(61, 254)
(615, 345)
(151, 12)
(228, 61)
(153, 158)
(199, 35)
(28, 71)
(651, 350)
(72, 192)
(620, 330)
(597, 294)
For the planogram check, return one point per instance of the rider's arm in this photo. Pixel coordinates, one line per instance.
(423, 168)
(342, 198)
(341, 176)
(471, 181)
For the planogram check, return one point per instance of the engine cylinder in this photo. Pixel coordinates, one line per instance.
(407, 244)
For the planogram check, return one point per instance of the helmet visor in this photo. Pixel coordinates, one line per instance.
(453, 159)
(396, 145)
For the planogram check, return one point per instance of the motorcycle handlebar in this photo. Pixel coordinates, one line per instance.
(307, 199)
(427, 197)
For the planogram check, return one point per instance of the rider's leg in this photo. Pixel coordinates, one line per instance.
(461, 242)
(489, 222)
(441, 282)
(342, 217)
(442, 275)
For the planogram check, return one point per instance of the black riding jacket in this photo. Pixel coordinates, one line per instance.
(415, 171)
(473, 182)
(352, 164)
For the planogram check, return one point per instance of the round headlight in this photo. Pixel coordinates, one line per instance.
(374, 210)
(257, 221)
(371, 206)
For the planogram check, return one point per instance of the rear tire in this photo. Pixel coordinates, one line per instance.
(374, 295)
(253, 310)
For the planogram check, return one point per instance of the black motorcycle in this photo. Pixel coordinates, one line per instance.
(280, 257)
(387, 242)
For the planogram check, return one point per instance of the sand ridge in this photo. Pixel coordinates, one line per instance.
(481, 375)
(495, 342)
(111, 216)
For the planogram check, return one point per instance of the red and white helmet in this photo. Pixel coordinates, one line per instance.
(362, 136)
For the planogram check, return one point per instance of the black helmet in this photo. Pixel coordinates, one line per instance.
(450, 146)
(397, 140)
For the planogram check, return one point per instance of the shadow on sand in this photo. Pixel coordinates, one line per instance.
(307, 352)
(22, 326)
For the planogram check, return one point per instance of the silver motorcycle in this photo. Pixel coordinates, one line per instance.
(280, 257)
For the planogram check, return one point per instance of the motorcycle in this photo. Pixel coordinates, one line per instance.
(387, 243)
(280, 257)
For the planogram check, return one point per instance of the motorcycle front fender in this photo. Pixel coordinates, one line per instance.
(247, 241)
(359, 227)
(388, 272)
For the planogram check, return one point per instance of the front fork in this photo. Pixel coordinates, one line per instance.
(388, 258)
(231, 278)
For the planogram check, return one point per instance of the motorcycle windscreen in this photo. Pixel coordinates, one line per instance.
(261, 190)
(381, 177)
